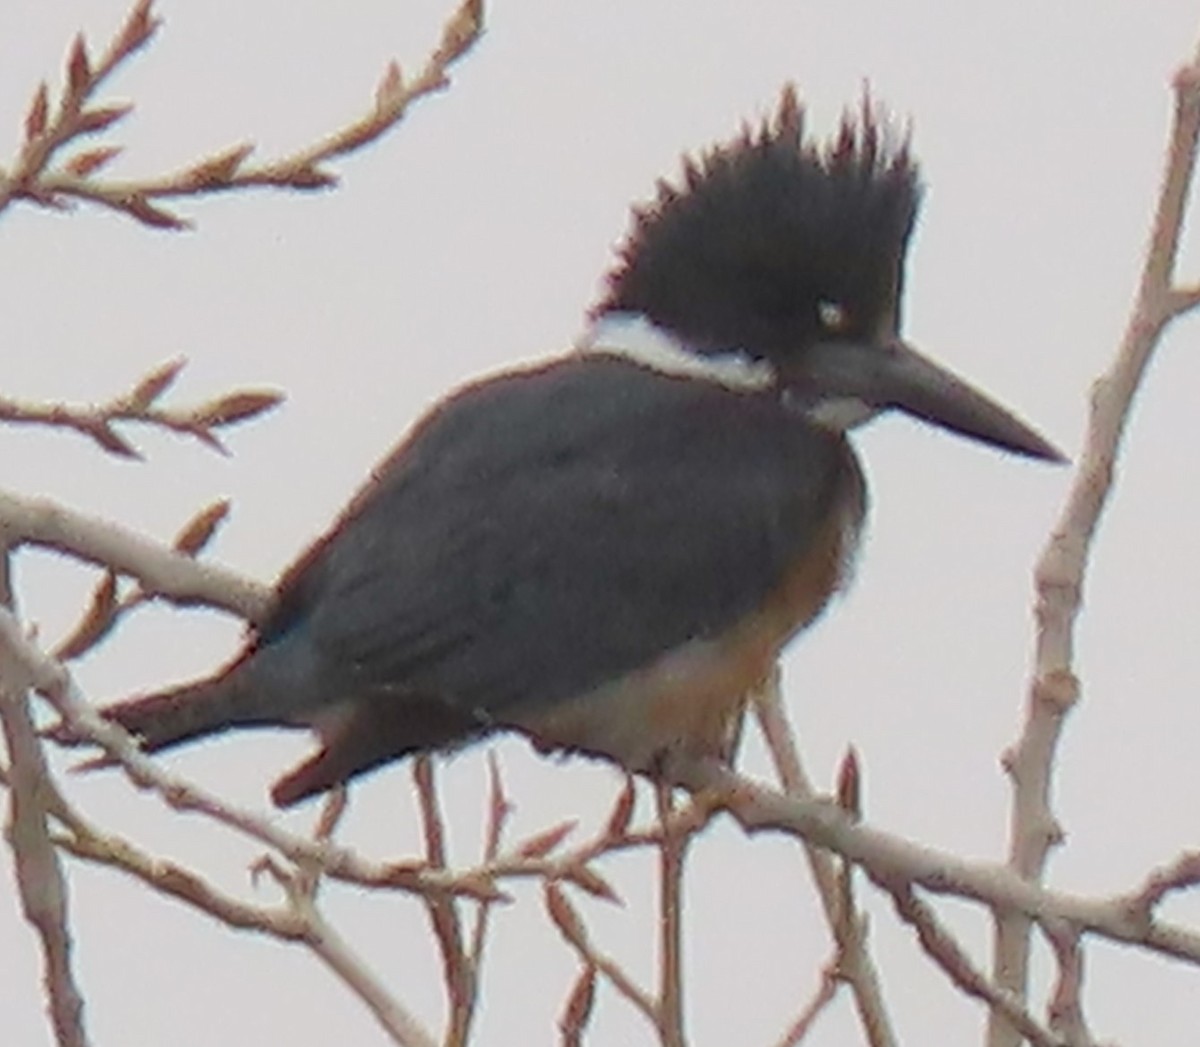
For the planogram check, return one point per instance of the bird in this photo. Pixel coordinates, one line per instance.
(607, 550)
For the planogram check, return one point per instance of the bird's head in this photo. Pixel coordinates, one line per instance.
(787, 257)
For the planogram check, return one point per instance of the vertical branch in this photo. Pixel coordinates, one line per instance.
(39, 873)
(443, 910)
(578, 1011)
(1066, 1007)
(499, 809)
(1059, 576)
(306, 880)
(672, 851)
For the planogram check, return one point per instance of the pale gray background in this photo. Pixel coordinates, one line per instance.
(475, 236)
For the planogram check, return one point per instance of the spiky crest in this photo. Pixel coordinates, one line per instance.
(766, 231)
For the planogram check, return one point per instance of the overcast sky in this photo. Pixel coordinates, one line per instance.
(475, 236)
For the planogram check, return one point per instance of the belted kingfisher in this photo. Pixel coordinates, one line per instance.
(609, 550)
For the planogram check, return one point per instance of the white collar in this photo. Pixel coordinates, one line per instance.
(636, 338)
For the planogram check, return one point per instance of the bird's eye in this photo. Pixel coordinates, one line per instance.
(833, 315)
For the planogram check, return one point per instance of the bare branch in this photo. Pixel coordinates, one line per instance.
(108, 606)
(140, 404)
(98, 620)
(1066, 1001)
(1059, 576)
(758, 809)
(22, 662)
(578, 1011)
(542, 843)
(175, 881)
(36, 178)
(322, 938)
(672, 854)
(887, 858)
(306, 877)
(950, 956)
(336, 953)
(46, 134)
(827, 989)
(161, 572)
(564, 916)
(499, 811)
(848, 928)
(443, 912)
(1182, 874)
(40, 879)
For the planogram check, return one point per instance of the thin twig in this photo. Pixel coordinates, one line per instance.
(183, 884)
(944, 949)
(1066, 1001)
(23, 662)
(83, 840)
(826, 993)
(578, 1010)
(35, 177)
(109, 606)
(1180, 875)
(141, 404)
(442, 909)
(307, 875)
(499, 811)
(323, 940)
(335, 952)
(847, 927)
(562, 913)
(672, 854)
(47, 133)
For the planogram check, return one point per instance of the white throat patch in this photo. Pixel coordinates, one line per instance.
(634, 337)
(842, 414)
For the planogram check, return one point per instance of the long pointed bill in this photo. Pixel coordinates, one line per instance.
(896, 375)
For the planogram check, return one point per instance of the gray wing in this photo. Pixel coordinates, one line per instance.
(545, 532)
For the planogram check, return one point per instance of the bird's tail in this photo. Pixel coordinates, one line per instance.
(194, 710)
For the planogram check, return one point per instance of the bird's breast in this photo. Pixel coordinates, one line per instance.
(690, 699)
